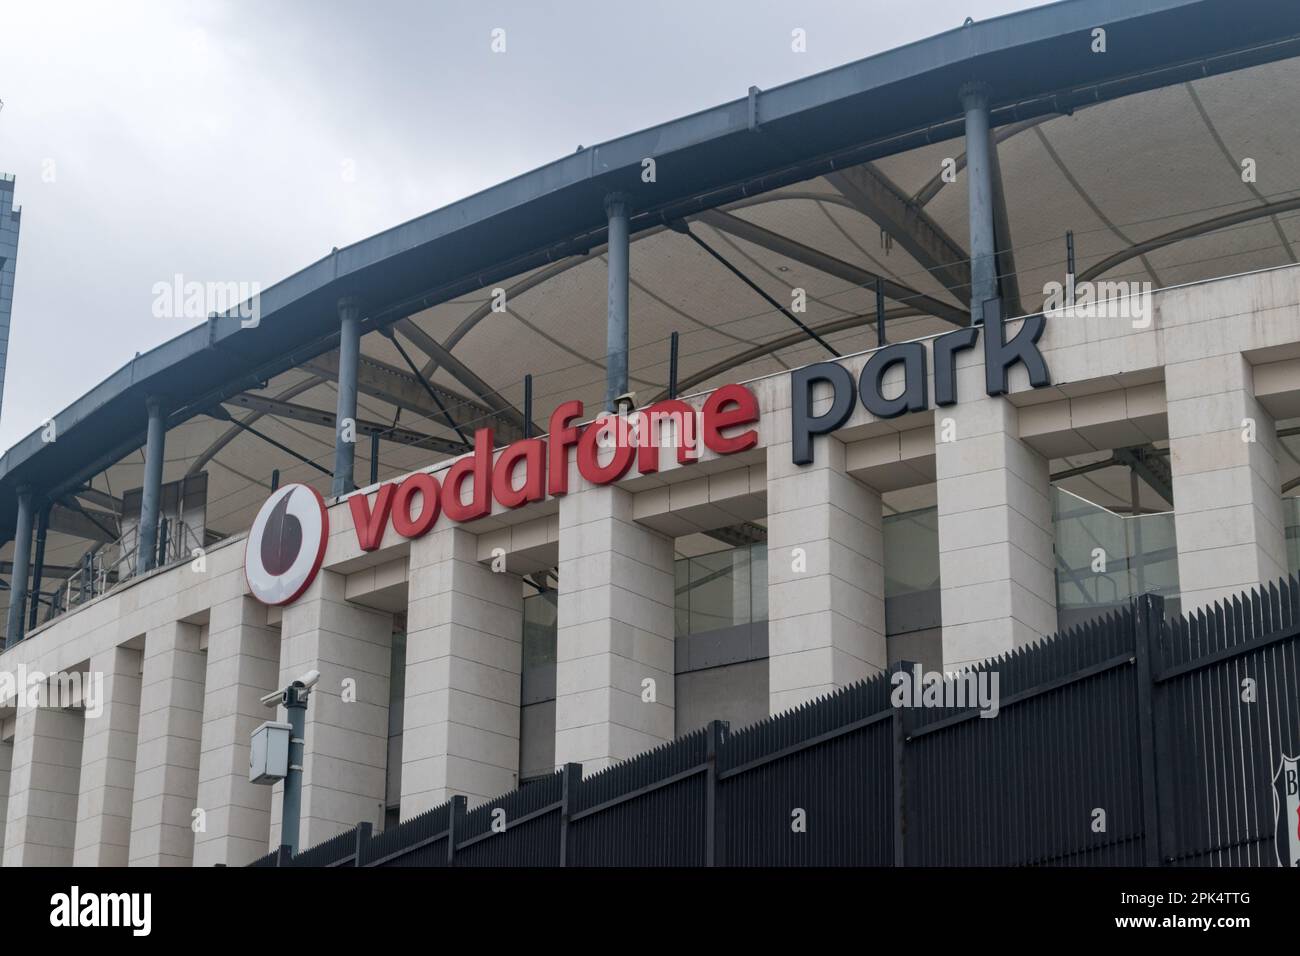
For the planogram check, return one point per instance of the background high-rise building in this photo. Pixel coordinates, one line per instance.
(10, 220)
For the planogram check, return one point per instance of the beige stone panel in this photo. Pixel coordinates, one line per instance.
(243, 665)
(167, 747)
(825, 576)
(1228, 508)
(41, 825)
(998, 587)
(463, 658)
(615, 631)
(107, 782)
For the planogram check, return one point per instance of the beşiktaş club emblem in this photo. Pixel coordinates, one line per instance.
(1286, 812)
(286, 545)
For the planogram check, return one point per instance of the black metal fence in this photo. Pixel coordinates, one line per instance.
(1131, 740)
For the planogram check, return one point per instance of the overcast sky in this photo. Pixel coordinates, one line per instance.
(240, 141)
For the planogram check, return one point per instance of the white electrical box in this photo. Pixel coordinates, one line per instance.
(268, 754)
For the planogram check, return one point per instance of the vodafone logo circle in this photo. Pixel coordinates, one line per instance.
(286, 544)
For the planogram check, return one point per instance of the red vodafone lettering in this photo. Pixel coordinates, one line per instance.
(673, 412)
(727, 407)
(406, 524)
(563, 437)
(477, 466)
(589, 465)
(532, 452)
(370, 522)
(533, 468)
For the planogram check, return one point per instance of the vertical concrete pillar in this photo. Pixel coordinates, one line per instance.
(1223, 455)
(167, 748)
(996, 558)
(43, 786)
(146, 556)
(619, 257)
(825, 573)
(460, 729)
(108, 761)
(22, 557)
(346, 750)
(615, 632)
(243, 664)
(345, 446)
(980, 196)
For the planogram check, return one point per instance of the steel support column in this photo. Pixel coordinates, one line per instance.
(146, 550)
(18, 580)
(979, 177)
(42, 527)
(616, 338)
(345, 446)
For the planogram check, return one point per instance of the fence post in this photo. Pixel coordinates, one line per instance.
(455, 821)
(568, 791)
(1148, 618)
(901, 724)
(718, 730)
(363, 840)
(163, 532)
(672, 365)
(528, 406)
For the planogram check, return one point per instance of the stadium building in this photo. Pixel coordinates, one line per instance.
(924, 357)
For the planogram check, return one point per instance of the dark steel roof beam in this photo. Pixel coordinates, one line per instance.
(397, 387)
(67, 517)
(326, 419)
(873, 194)
(823, 262)
(504, 410)
(101, 499)
(1151, 467)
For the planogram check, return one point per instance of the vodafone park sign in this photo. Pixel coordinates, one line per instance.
(287, 542)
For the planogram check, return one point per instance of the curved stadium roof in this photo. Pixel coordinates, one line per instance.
(821, 184)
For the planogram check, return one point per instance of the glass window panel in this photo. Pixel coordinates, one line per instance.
(1291, 521)
(758, 582)
(720, 590)
(1104, 559)
(712, 591)
(911, 542)
(540, 617)
(682, 617)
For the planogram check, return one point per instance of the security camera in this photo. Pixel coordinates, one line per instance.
(306, 681)
(625, 404)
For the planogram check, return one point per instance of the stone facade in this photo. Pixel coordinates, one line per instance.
(158, 777)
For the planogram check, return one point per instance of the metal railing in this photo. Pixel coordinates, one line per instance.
(106, 566)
